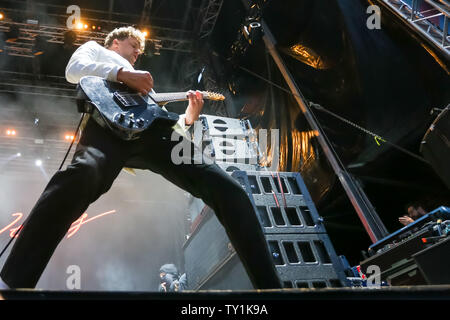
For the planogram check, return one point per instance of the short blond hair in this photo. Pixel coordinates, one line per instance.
(124, 33)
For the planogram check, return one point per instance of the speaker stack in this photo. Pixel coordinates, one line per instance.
(295, 235)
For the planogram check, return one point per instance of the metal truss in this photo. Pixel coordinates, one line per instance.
(145, 17)
(209, 11)
(36, 85)
(421, 20)
(162, 37)
(206, 19)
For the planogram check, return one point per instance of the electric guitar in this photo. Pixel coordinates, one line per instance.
(126, 112)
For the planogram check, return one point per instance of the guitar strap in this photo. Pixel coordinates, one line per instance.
(73, 140)
(62, 163)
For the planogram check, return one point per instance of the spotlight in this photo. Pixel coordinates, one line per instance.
(69, 137)
(2, 16)
(145, 32)
(86, 26)
(79, 25)
(152, 48)
(253, 32)
(10, 132)
(18, 154)
(38, 162)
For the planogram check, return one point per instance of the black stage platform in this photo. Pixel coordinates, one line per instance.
(328, 303)
(438, 292)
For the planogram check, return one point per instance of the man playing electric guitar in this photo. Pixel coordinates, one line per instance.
(100, 156)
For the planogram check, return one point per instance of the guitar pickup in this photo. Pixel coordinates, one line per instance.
(128, 100)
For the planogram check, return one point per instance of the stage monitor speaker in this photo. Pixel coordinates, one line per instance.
(295, 236)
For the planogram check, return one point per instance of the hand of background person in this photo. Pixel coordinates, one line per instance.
(405, 220)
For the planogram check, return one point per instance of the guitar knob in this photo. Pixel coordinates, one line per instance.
(121, 117)
(131, 123)
(140, 122)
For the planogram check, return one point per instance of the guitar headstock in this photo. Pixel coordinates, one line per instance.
(213, 96)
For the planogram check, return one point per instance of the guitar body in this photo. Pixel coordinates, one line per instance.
(125, 112)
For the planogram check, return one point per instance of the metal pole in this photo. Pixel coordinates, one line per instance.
(360, 202)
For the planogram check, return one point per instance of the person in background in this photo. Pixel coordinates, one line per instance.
(414, 210)
(171, 280)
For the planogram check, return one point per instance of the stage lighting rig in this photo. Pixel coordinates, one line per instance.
(70, 37)
(152, 47)
(13, 34)
(40, 45)
(251, 30)
(2, 42)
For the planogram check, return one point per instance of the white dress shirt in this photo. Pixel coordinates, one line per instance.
(92, 59)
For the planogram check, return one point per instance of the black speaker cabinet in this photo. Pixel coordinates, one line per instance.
(434, 262)
(301, 249)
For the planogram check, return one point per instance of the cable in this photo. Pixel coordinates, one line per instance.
(62, 163)
(376, 136)
(71, 144)
(319, 107)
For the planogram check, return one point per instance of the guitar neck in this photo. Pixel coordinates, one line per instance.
(163, 98)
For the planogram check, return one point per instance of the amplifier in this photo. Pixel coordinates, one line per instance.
(434, 262)
(398, 261)
(442, 213)
(393, 254)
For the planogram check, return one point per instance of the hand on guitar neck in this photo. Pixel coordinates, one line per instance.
(138, 80)
(194, 108)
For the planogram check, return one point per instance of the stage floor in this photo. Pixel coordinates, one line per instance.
(440, 292)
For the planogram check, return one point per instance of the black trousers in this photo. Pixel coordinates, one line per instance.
(98, 159)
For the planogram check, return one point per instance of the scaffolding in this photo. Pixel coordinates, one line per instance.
(428, 17)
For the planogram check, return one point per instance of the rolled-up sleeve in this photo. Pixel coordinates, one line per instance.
(83, 63)
(182, 123)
